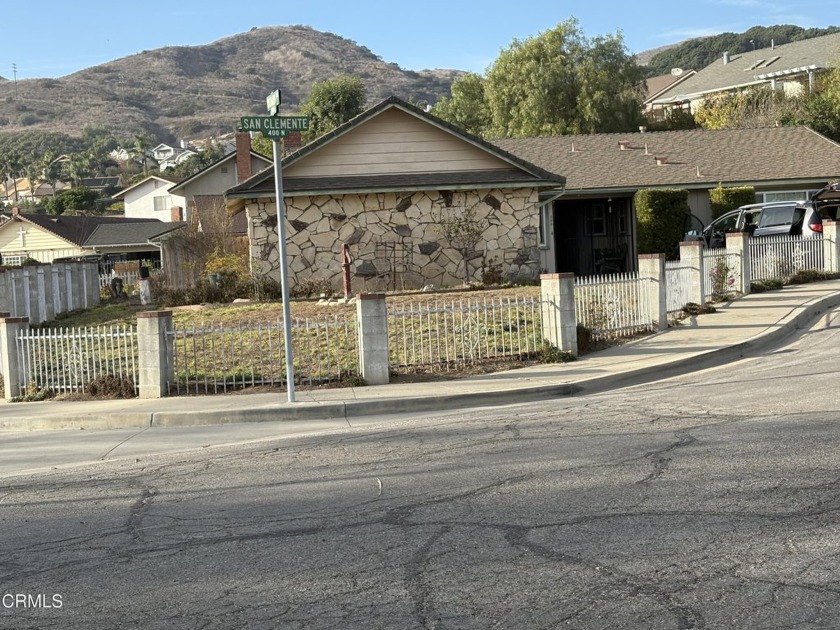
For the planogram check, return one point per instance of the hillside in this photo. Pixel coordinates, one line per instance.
(180, 91)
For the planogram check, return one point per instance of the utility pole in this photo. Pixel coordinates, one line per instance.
(14, 71)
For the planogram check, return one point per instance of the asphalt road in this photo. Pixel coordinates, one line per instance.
(706, 501)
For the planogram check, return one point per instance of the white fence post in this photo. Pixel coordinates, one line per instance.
(10, 327)
(691, 254)
(652, 266)
(831, 246)
(557, 293)
(154, 360)
(5, 290)
(739, 243)
(372, 326)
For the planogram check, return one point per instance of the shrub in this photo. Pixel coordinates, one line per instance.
(584, 339)
(308, 288)
(661, 219)
(725, 199)
(111, 386)
(549, 353)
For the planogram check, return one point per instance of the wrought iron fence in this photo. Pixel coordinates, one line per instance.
(677, 285)
(784, 256)
(441, 336)
(212, 358)
(614, 305)
(68, 359)
(722, 273)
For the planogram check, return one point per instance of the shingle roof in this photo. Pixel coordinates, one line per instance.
(698, 158)
(163, 178)
(198, 175)
(262, 182)
(77, 229)
(129, 233)
(818, 52)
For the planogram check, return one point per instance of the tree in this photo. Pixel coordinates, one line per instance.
(76, 199)
(558, 82)
(463, 229)
(140, 150)
(467, 106)
(332, 103)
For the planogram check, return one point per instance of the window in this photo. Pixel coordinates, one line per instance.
(163, 203)
(788, 195)
(14, 260)
(597, 224)
(545, 213)
(782, 215)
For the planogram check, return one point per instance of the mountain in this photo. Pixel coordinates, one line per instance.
(187, 91)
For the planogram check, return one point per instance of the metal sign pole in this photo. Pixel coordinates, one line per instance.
(284, 279)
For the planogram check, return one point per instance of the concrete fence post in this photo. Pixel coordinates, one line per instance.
(652, 267)
(739, 242)
(691, 253)
(44, 293)
(5, 288)
(155, 353)
(372, 325)
(831, 246)
(10, 328)
(557, 298)
(58, 297)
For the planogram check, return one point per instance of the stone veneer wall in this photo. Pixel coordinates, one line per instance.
(394, 238)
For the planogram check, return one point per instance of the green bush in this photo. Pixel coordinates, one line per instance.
(725, 199)
(661, 217)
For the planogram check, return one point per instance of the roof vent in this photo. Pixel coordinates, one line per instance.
(660, 160)
(698, 172)
(646, 149)
(623, 145)
(642, 128)
(726, 57)
(573, 148)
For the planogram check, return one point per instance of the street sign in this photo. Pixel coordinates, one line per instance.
(272, 102)
(274, 126)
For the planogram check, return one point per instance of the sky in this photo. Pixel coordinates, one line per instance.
(63, 37)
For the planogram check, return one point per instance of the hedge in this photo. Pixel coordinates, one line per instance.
(661, 216)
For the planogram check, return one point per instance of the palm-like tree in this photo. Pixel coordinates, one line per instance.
(140, 150)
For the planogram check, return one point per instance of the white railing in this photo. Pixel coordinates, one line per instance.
(677, 285)
(212, 358)
(68, 359)
(129, 278)
(784, 256)
(613, 305)
(444, 335)
(722, 273)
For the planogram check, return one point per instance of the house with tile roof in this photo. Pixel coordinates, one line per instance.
(46, 237)
(791, 68)
(383, 184)
(595, 214)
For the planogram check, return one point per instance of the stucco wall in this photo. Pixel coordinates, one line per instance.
(395, 238)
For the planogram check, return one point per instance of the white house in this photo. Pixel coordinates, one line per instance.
(151, 199)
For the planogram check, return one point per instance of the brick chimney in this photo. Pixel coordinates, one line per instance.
(243, 156)
(292, 142)
(176, 213)
(15, 211)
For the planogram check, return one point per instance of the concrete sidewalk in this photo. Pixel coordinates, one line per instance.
(743, 325)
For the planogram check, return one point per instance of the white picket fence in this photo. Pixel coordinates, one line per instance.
(129, 278)
(444, 335)
(677, 285)
(212, 358)
(784, 256)
(722, 273)
(614, 305)
(68, 359)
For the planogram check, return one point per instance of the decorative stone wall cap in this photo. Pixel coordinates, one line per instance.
(14, 320)
(371, 296)
(556, 276)
(153, 314)
(830, 222)
(691, 243)
(651, 256)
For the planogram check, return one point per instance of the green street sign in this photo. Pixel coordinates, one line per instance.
(274, 126)
(272, 102)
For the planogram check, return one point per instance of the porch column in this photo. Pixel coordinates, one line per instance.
(691, 254)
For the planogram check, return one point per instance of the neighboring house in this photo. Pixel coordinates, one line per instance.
(382, 183)
(603, 171)
(142, 240)
(226, 172)
(102, 185)
(21, 190)
(655, 86)
(45, 237)
(791, 68)
(151, 199)
(168, 156)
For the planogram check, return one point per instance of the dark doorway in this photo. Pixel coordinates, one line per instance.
(593, 236)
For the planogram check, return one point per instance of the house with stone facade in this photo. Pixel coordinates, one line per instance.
(385, 184)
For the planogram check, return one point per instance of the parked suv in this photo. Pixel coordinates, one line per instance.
(776, 218)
